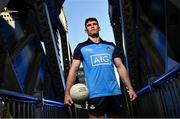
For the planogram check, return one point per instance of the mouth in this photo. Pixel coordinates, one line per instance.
(93, 29)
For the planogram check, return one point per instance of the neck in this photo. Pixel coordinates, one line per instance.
(94, 39)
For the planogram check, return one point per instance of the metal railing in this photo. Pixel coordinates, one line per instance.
(16, 105)
(160, 98)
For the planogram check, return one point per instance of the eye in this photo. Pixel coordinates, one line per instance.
(88, 25)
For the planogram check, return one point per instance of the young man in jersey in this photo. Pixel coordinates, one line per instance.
(98, 57)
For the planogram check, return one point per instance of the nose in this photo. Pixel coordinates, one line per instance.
(92, 26)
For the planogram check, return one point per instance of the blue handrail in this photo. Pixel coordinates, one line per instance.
(22, 105)
(167, 76)
(53, 103)
(148, 88)
(15, 95)
(24, 97)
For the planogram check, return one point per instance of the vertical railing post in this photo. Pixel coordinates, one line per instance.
(39, 104)
(0, 107)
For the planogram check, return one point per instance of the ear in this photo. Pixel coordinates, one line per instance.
(99, 28)
(85, 30)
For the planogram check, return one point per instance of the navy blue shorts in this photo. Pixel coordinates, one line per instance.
(110, 105)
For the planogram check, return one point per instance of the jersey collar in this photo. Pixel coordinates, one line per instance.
(90, 41)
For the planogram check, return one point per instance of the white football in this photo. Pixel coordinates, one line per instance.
(79, 93)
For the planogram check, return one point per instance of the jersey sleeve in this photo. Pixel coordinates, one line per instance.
(77, 53)
(116, 53)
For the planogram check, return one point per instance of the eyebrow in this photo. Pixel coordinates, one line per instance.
(91, 23)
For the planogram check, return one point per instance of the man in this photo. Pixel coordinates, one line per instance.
(98, 57)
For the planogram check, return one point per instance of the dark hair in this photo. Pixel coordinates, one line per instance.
(91, 19)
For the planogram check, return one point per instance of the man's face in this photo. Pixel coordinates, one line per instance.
(92, 28)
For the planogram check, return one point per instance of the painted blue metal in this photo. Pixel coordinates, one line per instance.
(15, 95)
(165, 77)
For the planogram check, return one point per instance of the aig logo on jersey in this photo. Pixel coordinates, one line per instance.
(100, 59)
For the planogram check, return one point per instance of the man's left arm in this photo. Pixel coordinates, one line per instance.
(125, 78)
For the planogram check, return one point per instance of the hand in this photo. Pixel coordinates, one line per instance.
(68, 100)
(132, 95)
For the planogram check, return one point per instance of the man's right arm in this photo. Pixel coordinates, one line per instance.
(70, 81)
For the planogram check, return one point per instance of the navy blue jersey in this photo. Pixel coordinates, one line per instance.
(97, 59)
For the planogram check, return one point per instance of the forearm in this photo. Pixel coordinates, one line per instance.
(72, 75)
(127, 83)
(125, 78)
(70, 81)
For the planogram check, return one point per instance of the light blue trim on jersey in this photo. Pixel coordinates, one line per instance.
(99, 70)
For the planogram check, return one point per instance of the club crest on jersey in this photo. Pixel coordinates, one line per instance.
(100, 59)
(108, 48)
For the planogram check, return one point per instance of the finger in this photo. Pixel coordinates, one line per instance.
(133, 97)
(68, 103)
(130, 96)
